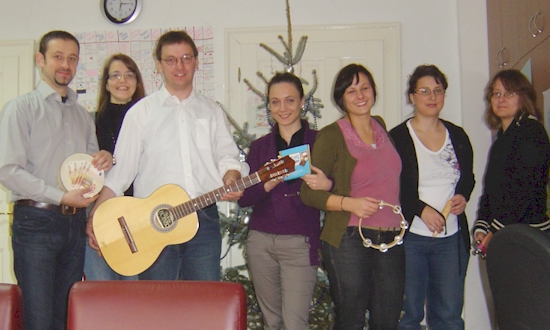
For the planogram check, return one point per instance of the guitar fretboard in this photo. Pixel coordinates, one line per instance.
(214, 196)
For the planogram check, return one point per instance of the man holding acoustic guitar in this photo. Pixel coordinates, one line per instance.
(170, 141)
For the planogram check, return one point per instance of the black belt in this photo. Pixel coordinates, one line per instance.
(63, 209)
(382, 229)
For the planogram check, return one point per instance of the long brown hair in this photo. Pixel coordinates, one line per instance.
(514, 81)
(105, 95)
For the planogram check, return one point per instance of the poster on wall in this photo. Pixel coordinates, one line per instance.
(97, 46)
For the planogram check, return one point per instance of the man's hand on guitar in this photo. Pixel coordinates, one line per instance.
(105, 194)
(91, 236)
(230, 177)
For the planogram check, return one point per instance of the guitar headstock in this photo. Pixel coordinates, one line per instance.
(276, 168)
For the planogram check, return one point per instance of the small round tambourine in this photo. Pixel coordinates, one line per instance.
(77, 172)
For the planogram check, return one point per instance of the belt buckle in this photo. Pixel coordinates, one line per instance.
(68, 210)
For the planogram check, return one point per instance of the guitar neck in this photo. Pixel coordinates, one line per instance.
(214, 196)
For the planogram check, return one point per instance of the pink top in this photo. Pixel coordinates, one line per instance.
(376, 173)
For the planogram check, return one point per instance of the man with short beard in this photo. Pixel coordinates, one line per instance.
(38, 131)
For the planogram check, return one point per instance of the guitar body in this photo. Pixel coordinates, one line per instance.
(132, 232)
(147, 228)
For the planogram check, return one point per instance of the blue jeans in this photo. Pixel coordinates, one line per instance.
(198, 259)
(97, 269)
(364, 279)
(436, 269)
(48, 258)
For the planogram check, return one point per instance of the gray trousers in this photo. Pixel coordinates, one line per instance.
(283, 278)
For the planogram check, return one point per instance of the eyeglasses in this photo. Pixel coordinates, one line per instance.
(427, 91)
(118, 76)
(185, 59)
(497, 95)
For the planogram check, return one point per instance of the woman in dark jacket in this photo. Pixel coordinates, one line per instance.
(517, 169)
(436, 182)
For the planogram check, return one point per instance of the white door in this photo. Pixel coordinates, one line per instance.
(16, 78)
(328, 49)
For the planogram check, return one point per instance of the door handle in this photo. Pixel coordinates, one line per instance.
(6, 213)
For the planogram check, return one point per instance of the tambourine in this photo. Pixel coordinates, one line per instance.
(480, 247)
(397, 240)
(77, 172)
(479, 250)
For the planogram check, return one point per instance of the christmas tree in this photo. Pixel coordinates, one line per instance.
(234, 225)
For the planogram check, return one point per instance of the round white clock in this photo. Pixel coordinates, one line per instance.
(121, 11)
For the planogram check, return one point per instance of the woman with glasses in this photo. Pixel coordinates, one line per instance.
(517, 170)
(121, 86)
(357, 153)
(436, 182)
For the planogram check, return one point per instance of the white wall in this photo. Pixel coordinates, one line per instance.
(474, 74)
(450, 34)
(430, 35)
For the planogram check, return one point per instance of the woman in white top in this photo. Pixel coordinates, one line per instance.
(436, 183)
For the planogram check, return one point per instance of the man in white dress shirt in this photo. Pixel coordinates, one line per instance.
(177, 136)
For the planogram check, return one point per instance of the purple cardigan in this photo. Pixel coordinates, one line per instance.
(281, 211)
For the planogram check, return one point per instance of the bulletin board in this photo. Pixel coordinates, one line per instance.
(97, 46)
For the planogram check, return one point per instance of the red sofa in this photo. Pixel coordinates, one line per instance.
(11, 307)
(157, 305)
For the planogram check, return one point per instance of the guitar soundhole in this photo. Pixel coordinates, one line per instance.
(162, 219)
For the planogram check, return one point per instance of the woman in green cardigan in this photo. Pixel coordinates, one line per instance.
(357, 153)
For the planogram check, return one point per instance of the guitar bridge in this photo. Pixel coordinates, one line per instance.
(127, 235)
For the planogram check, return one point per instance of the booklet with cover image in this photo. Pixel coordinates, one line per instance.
(300, 155)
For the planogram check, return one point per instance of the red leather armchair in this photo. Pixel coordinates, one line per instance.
(11, 307)
(163, 305)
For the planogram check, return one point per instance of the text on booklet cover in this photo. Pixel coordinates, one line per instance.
(300, 155)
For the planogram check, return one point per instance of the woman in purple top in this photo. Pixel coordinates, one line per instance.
(283, 239)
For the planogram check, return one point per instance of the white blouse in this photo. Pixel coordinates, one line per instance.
(438, 176)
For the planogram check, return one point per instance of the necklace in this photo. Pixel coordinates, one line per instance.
(112, 131)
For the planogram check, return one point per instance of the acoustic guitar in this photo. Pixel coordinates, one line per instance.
(132, 232)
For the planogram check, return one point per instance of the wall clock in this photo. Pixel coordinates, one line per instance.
(121, 11)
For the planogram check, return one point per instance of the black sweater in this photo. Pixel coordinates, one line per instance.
(108, 124)
(515, 178)
(410, 200)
